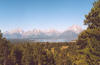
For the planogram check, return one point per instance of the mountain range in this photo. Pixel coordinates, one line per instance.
(45, 36)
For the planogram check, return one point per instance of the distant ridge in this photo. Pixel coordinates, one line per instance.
(52, 35)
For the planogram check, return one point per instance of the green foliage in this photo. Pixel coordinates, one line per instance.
(89, 40)
(86, 51)
(4, 50)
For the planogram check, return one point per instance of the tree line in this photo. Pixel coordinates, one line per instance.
(85, 51)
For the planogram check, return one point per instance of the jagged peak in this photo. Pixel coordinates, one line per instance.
(75, 28)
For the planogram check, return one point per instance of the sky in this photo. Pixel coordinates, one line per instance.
(42, 14)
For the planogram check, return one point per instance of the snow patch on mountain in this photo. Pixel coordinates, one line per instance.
(17, 30)
(75, 28)
(70, 34)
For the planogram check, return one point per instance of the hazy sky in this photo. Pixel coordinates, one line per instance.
(42, 14)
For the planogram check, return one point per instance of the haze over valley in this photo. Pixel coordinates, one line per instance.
(71, 33)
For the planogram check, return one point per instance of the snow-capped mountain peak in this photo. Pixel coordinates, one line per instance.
(51, 32)
(75, 28)
(70, 34)
(17, 30)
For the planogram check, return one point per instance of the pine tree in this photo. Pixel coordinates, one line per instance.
(89, 40)
(4, 50)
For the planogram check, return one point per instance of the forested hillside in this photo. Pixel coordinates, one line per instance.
(28, 53)
(85, 51)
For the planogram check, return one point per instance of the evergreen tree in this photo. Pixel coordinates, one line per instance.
(89, 40)
(4, 50)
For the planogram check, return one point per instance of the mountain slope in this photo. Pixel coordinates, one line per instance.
(70, 34)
